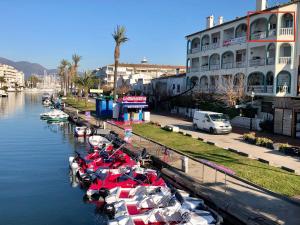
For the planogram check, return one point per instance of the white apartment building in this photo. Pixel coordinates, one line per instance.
(263, 50)
(12, 77)
(106, 73)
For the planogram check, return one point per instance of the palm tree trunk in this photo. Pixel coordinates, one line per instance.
(115, 79)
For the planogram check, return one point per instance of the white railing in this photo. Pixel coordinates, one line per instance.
(256, 88)
(240, 64)
(195, 50)
(228, 65)
(214, 66)
(272, 32)
(257, 62)
(285, 60)
(270, 61)
(287, 31)
(269, 89)
(205, 47)
(204, 68)
(259, 35)
(211, 46)
(194, 69)
(235, 41)
(215, 45)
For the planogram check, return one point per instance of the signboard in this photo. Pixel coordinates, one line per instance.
(134, 99)
(97, 91)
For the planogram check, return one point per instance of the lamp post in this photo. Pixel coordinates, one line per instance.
(252, 98)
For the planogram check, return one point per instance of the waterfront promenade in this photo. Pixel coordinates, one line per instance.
(234, 141)
(249, 203)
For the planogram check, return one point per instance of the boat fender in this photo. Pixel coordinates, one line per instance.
(110, 210)
(74, 167)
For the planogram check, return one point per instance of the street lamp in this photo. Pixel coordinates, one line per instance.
(252, 97)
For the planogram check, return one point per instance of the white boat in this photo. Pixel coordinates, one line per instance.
(45, 96)
(97, 141)
(160, 208)
(3, 93)
(47, 102)
(54, 115)
(82, 131)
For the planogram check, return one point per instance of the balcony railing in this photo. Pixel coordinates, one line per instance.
(287, 31)
(268, 89)
(214, 66)
(194, 50)
(257, 62)
(228, 65)
(259, 35)
(235, 41)
(204, 68)
(270, 61)
(240, 64)
(283, 89)
(272, 32)
(285, 60)
(194, 69)
(211, 46)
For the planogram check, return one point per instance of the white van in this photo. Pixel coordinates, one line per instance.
(215, 123)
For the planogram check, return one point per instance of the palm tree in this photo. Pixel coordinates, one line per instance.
(86, 82)
(63, 65)
(75, 58)
(119, 36)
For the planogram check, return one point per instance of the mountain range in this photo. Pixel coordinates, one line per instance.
(27, 68)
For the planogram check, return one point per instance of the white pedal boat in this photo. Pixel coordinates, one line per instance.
(82, 131)
(97, 141)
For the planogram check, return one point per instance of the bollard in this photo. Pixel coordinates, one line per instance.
(185, 164)
(104, 125)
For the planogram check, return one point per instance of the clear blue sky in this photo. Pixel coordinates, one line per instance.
(45, 31)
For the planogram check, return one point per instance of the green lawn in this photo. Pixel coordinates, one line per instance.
(272, 178)
(80, 104)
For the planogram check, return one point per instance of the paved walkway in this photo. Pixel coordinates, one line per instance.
(232, 140)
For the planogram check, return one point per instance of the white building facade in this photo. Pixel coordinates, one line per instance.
(262, 49)
(127, 71)
(13, 77)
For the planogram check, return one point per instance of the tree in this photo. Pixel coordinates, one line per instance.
(232, 89)
(74, 73)
(63, 67)
(33, 80)
(2, 80)
(119, 36)
(86, 82)
(124, 88)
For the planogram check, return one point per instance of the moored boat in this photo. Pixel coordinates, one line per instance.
(96, 141)
(3, 93)
(82, 131)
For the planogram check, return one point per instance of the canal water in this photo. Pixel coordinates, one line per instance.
(35, 186)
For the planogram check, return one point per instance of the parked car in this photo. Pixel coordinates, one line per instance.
(215, 123)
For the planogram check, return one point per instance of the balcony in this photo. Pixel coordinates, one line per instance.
(235, 41)
(204, 68)
(270, 61)
(285, 60)
(194, 50)
(272, 32)
(214, 67)
(257, 62)
(286, 31)
(194, 69)
(228, 65)
(259, 35)
(211, 46)
(241, 64)
(260, 89)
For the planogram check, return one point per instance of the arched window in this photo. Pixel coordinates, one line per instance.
(258, 29)
(205, 42)
(285, 54)
(241, 30)
(256, 82)
(188, 46)
(272, 25)
(214, 62)
(270, 78)
(283, 82)
(188, 65)
(195, 43)
(271, 54)
(204, 83)
(287, 21)
(227, 60)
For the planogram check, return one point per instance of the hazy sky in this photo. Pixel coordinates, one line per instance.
(45, 31)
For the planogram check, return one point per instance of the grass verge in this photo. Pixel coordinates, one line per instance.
(79, 104)
(272, 178)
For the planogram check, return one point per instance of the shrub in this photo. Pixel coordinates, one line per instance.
(264, 142)
(283, 147)
(250, 137)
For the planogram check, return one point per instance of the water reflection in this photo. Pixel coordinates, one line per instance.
(12, 104)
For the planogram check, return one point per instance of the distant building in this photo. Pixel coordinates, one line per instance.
(48, 81)
(13, 77)
(143, 69)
